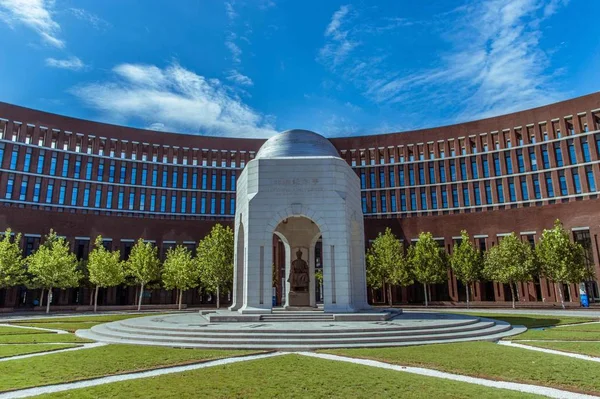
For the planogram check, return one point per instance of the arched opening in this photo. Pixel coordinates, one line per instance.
(296, 258)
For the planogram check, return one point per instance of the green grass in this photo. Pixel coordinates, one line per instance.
(19, 331)
(40, 338)
(533, 321)
(73, 324)
(291, 376)
(584, 348)
(561, 334)
(14, 350)
(97, 362)
(489, 360)
(584, 327)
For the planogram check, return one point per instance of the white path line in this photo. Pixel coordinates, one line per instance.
(36, 328)
(554, 340)
(78, 348)
(24, 393)
(577, 324)
(513, 386)
(551, 351)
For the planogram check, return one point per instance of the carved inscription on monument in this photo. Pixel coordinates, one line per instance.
(296, 184)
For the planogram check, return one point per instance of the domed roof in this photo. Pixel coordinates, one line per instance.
(297, 143)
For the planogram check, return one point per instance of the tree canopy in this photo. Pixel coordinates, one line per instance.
(466, 262)
(105, 268)
(180, 271)
(429, 262)
(215, 260)
(143, 265)
(12, 263)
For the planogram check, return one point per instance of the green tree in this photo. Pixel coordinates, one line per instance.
(561, 261)
(180, 271)
(387, 264)
(143, 265)
(105, 268)
(429, 263)
(510, 262)
(12, 264)
(466, 262)
(215, 260)
(53, 265)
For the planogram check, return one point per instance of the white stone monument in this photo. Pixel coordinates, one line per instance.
(299, 188)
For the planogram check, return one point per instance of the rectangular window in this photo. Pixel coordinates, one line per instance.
(109, 197)
(402, 202)
(164, 178)
(373, 203)
(545, 158)
(14, 158)
(576, 181)
(486, 168)
(431, 175)
(572, 155)
(393, 202)
(413, 200)
(466, 198)
(111, 172)
(585, 147)
(49, 190)
(411, 176)
(392, 178)
(509, 167)
(152, 201)
(364, 204)
(9, 186)
(163, 202)
(144, 175)
(98, 199)
(562, 180)
(154, 176)
(27, 163)
(213, 206)
(533, 160)
(421, 174)
(232, 205)
(174, 180)
(401, 176)
(455, 196)
(474, 171)
(524, 190)
(120, 198)
(203, 205)
(477, 194)
(40, 162)
(122, 173)
(434, 204)
(88, 171)
(363, 180)
(444, 198)
(223, 181)
(383, 203)
(590, 180)
(558, 153)
(520, 161)
(222, 207)
(37, 190)
(195, 180)
(488, 193)
(500, 190)
(452, 171)
(100, 170)
(213, 181)
(65, 168)
(423, 199)
(184, 182)
(497, 171)
(173, 203)
(142, 205)
(511, 191)
(537, 191)
(442, 173)
(549, 186)
(77, 172)
(74, 193)
(463, 170)
(86, 195)
(23, 192)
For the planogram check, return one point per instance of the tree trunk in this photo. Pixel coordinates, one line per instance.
(96, 299)
(180, 297)
(372, 296)
(91, 300)
(518, 292)
(141, 296)
(512, 294)
(467, 288)
(562, 301)
(48, 300)
(425, 291)
(383, 293)
(42, 298)
(429, 292)
(390, 295)
(570, 293)
(218, 298)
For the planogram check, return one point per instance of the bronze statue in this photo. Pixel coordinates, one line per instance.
(298, 274)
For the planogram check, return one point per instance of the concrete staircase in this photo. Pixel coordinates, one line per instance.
(318, 331)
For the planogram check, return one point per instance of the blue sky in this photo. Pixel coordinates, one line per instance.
(252, 68)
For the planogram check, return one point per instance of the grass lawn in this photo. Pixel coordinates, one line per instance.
(40, 338)
(584, 327)
(291, 376)
(13, 350)
(19, 331)
(584, 348)
(489, 360)
(97, 362)
(533, 321)
(562, 334)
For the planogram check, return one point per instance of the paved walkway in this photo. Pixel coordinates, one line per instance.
(82, 346)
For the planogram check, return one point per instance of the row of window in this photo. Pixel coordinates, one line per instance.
(148, 200)
(481, 193)
(460, 169)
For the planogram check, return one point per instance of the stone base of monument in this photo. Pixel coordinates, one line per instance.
(319, 331)
(299, 299)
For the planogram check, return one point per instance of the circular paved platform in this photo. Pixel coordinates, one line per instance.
(195, 330)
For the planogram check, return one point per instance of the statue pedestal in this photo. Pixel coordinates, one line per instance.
(299, 298)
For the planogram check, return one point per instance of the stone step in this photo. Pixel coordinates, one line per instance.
(106, 335)
(249, 334)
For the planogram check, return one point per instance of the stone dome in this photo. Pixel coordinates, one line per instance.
(297, 143)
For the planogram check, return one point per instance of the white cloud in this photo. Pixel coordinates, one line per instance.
(174, 98)
(339, 42)
(93, 19)
(72, 63)
(237, 77)
(36, 15)
(230, 11)
(234, 49)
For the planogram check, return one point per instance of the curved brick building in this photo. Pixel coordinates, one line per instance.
(516, 172)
